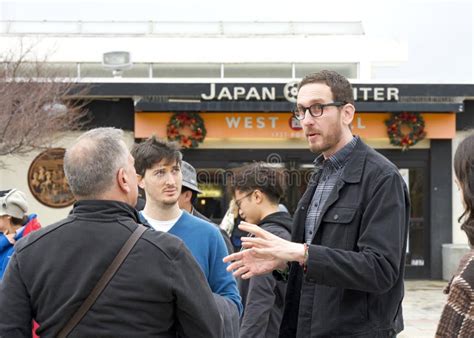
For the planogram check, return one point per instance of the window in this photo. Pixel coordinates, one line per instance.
(258, 70)
(183, 70)
(137, 70)
(46, 70)
(348, 70)
(95, 70)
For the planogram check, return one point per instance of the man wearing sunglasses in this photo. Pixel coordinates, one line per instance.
(345, 262)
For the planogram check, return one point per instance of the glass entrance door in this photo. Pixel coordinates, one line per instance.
(414, 168)
(417, 253)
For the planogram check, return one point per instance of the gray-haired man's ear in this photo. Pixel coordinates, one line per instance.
(123, 180)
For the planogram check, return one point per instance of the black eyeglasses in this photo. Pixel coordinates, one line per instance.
(239, 201)
(315, 110)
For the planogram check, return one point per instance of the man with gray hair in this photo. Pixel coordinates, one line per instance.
(157, 291)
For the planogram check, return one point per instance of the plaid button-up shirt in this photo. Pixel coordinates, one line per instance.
(332, 169)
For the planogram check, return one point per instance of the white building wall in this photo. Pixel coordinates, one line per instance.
(370, 53)
(246, 49)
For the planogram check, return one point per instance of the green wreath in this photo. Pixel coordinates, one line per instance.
(415, 124)
(186, 128)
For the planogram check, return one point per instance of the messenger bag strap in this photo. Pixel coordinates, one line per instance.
(103, 281)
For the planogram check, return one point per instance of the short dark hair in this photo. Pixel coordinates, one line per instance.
(341, 88)
(19, 221)
(193, 196)
(464, 170)
(259, 176)
(152, 151)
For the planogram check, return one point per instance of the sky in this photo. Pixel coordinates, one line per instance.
(439, 33)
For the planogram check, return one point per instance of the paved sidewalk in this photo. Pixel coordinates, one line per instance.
(424, 300)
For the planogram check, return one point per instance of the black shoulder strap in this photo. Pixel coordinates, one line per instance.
(103, 281)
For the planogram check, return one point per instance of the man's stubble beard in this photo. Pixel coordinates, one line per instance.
(329, 142)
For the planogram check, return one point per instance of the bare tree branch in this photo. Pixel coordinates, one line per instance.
(37, 105)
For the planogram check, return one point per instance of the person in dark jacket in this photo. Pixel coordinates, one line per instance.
(257, 189)
(158, 291)
(347, 252)
(188, 197)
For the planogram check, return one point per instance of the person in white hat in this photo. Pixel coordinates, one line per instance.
(14, 224)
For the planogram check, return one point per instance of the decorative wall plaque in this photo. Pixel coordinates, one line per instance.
(47, 181)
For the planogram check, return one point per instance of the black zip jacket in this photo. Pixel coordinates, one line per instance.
(159, 291)
(353, 286)
(263, 296)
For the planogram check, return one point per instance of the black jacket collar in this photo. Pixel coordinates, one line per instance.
(280, 218)
(105, 209)
(355, 164)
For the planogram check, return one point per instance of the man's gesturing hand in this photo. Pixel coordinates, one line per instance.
(263, 253)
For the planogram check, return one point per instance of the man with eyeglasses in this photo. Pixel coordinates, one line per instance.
(257, 189)
(345, 262)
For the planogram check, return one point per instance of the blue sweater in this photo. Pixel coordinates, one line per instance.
(7, 248)
(208, 248)
(6, 251)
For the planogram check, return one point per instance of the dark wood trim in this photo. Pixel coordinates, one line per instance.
(465, 120)
(229, 158)
(128, 89)
(441, 212)
(284, 106)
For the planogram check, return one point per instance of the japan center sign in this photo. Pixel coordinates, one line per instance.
(289, 91)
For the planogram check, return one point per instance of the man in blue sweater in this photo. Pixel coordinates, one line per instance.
(158, 165)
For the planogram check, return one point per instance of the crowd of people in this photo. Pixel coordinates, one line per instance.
(158, 268)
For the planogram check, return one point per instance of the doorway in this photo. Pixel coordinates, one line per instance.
(414, 168)
(213, 166)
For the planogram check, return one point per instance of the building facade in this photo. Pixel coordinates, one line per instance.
(230, 89)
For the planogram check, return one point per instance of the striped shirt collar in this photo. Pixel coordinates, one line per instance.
(339, 159)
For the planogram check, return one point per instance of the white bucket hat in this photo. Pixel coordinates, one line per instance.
(14, 204)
